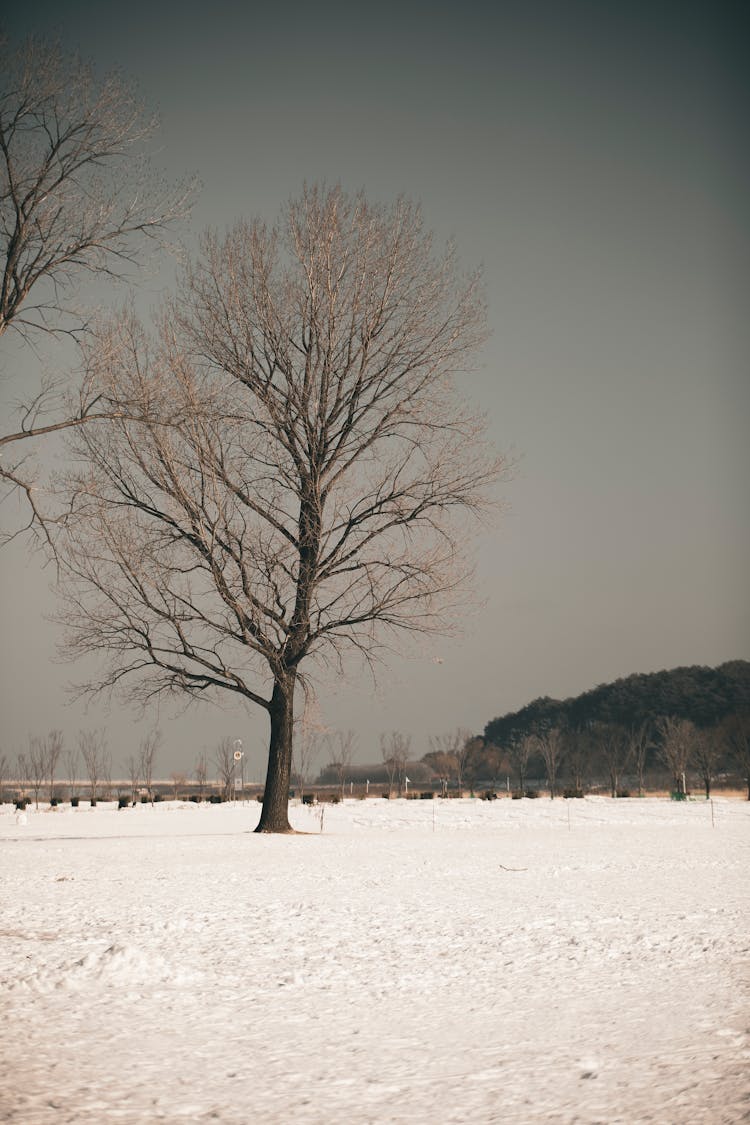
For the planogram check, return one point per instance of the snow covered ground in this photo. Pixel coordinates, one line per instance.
(462, 961)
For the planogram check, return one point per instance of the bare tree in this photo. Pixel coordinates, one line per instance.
(225, 764)
(676, 749)
(38, 768)
(92, 745)
(3, 774)
(456, 745)
(707, 752)
(639, 741)
(178, 782)
(344, 742)
(107, 775)
(294, 476)
(736, 734)
(54, 747)
(77, 200)
(23, 772)
(133, 767)
(614, 747)
(521, 750)
(200, 773)
(394, 750)
(577, 753)
(71, 768)
(148, 751)
(550, 744)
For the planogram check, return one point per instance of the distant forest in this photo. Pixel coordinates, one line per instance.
(704, 696)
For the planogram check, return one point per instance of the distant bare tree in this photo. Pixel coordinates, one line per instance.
(92, 745)
(676, 748)
(735, 731)
(23, 771)
(394, 750)
(441, 764)
(71, 768)
(294, 478)
(344, 742)
(107, 775)
(311, 739)
(77, 200)
(639, 741)
(550, 744)
(521, 750)
(200, 773)
(3, 774)
(614, 747)
(37, 761)
(225, 764)
(148, 751)
(53, 747)
(455, 745)
(179, 780)
(577, 754)
(707, 753)
(133, 767)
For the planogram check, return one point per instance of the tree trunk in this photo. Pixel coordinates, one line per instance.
(274, 815)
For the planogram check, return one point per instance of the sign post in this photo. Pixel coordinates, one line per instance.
(240, 757)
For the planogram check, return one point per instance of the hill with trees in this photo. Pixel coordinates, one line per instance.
(704, 696)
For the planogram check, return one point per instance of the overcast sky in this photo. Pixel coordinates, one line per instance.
(595, 162)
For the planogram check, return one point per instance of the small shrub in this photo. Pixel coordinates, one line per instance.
(157, 797)
(386, 795)
(623, 792)
(569, 794)
(123, 802)
(309, 799)
(334, 799)
(532, 794)
(74, 802)
(93, 802)
(427, 796)
(678, 795)
(516, 795)
(489, 795)
(144, 800)
(54, 802)
(21, 803)
(215, 799)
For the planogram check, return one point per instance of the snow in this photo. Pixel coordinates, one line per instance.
(416, 961)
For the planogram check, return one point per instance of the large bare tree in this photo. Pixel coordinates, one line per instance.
(78, 200)
(295, 475)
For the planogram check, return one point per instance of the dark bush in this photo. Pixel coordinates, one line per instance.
(427, 796)
(489, 795)
(74, 802)
(123, 802)
(21, 803)
(531, 794)
(571, 793)
(308, 799)
(387, 795)
(157, 797)
(516, 794)
(678, 795)
(334, 799)
(54, 802)
(215, 799)
(144, 800)
(623, 792)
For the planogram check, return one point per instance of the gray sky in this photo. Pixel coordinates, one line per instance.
(595, 163)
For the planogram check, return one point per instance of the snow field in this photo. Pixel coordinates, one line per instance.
(461, 961)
